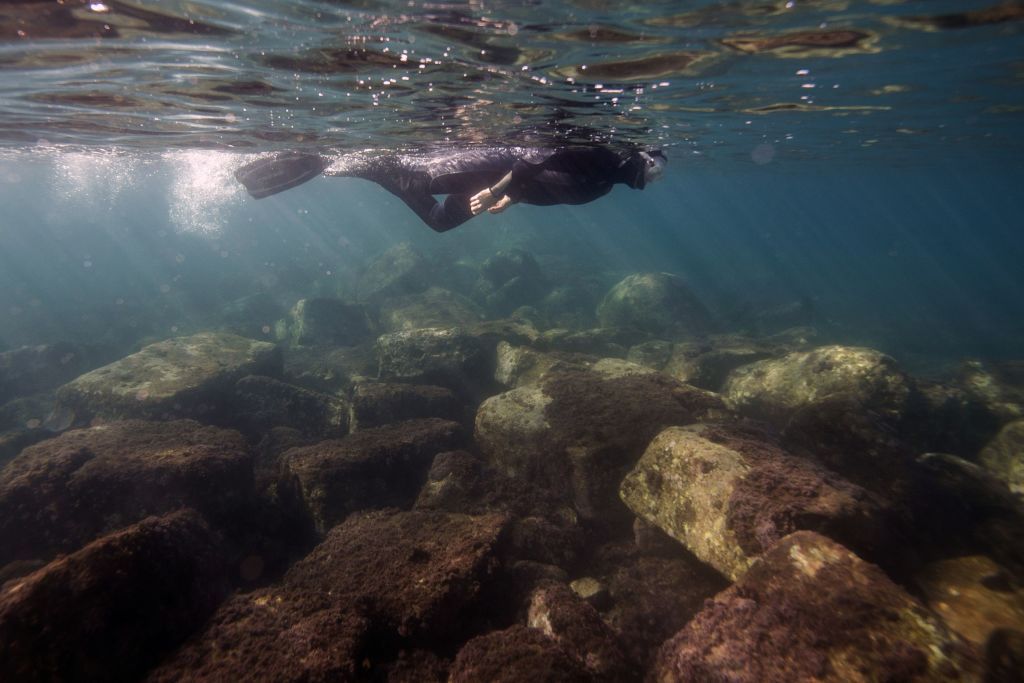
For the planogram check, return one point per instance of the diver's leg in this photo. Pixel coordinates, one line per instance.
(413, 188)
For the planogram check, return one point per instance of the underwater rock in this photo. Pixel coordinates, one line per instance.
(1004, 456)
(379, 582)
(1000, 388)
(657, 303)
(948, 419)
(371, 468)
(653, 597)
(110, 610)
(708, 364)
(607, 342)
(960, 508)
(516, 655)
(974, 596)
(64, 492)
(521, 365)
(557, 612)
(398, 271)
(810, 609)
(447, 357)
(379, 403)
(264, 402)
(512, 295)
(541, 528)
(181, 377)
(653, 354)
(776, 389)
(331, 371)
(435, 307)
(36, 369)
(728, 495)
(327, 322)
(510, 279)
(15, 441)
(509, 264)
(591, 591)
(569, 307)
(578, 431)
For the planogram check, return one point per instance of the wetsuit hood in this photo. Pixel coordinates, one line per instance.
(641, 168)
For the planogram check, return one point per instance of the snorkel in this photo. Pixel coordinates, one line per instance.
(654, 165)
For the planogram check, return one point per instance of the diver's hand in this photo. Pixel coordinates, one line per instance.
(501, 205)
(483, 199)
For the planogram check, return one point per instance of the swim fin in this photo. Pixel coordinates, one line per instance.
(280, 172)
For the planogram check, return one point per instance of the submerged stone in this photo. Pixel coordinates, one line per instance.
(327, 322)
(34, 369)
(435, 307)
(379, 403)
(62, 493)
(1004, 456)
(578, 431)
(776, 389)
(181, 377)
(517, 655)
(810, 609)
(398, 271)
(262, 403)
(371, 468)
(658, 303)
(447, 357)
(110, 610)
(728, 496)
(379, 580)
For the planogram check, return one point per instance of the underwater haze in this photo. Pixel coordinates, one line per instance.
(762, 419)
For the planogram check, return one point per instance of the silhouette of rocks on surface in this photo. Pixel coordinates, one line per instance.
(728, 495)
(108, 611)
(62, 493)
(372, 468)
(810, 609)
(380, 582)
(181, 377)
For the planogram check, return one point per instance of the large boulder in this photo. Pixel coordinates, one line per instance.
(379, 403)
(398, 271)
(658, 303)
(448, 357)
(578, 431)
(728, 494)
(707, 364)
(371, 468)
(62, 493)
(1004, 456)
(262, 403)
(379, 582)
(776, 389)
(109, 611)
(326, 322)
(435, 307)
(330, 371)
(181, 377)
(811, 610)
(517, 655)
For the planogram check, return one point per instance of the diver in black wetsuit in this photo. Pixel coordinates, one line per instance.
(489, 179)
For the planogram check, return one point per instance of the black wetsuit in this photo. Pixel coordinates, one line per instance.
(572, 175)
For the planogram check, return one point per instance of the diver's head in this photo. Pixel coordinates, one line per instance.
(654, 165)
(644, 167)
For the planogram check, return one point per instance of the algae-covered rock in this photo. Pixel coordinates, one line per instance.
(379, 403)
(447, 357)
(62, 493)
(333, 370)
(708, 364)
(659, 303)
(109, 611)
(517, 655)
(1004, 456)
(327, 322)
(608, 342)
(775, 389)
(973, 595)
(578, 431)
(520, 365)
(811, 610)
(374, 468)
(383, 577)
(181, 377)
(727, 495)
(264, 402)
(398, 271)
(435, 307)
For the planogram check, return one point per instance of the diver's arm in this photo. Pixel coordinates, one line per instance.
(490, 197)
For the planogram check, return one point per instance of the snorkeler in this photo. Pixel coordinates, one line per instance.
(489, 179)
